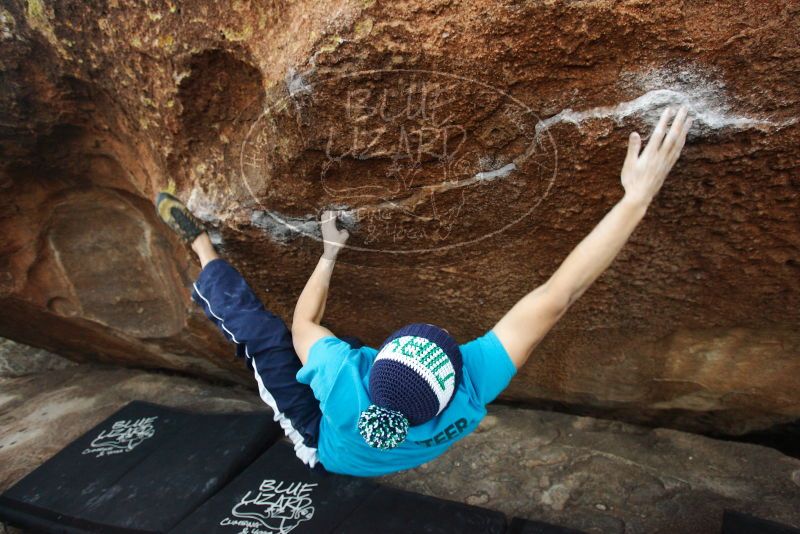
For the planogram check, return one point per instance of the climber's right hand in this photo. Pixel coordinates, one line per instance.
(643, 174)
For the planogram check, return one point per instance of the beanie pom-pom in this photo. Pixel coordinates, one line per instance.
(382, 428)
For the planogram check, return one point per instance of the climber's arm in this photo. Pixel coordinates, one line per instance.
(310, 307)
(526, 324)
(522, 328)
(306, 329)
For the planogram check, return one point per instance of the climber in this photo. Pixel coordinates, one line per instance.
(404, 404)
(356, 410)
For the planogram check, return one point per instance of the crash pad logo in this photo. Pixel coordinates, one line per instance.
(277, 507)
(123, 436)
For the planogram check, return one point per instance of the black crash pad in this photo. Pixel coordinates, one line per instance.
(528, 526)
(390, 510)
(277, 493)
(141, 470)
(741, 523)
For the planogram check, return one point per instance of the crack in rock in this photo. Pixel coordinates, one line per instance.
(651, 104)
(487, 176)
(283, 228)
(689, 86)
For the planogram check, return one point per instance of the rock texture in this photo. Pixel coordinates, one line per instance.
(609, 477)
(20, 360)
(596, 475)
(473, 144)
(41, 411)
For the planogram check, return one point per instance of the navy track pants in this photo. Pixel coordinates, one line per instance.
(265, 343)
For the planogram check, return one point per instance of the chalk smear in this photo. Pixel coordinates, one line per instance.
(283, 228)
(705, 97)
(487, 176)
(202, 206)
(698, 89)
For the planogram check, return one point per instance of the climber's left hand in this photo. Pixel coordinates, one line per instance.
(643, 174)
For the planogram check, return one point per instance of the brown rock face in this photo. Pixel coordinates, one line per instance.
(472, 145)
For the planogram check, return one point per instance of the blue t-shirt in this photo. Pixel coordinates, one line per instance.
(339, 376)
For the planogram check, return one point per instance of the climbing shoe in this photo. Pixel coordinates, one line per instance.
(178, 217)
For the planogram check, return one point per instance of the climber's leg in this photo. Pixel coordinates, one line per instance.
(204, 249)
(261, 338)
(265, 343)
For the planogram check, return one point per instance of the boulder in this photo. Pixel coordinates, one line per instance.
(471, 146)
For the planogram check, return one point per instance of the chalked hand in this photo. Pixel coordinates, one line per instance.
(333, 238)
(644, 173)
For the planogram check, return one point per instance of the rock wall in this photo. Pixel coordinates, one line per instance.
(473, 144)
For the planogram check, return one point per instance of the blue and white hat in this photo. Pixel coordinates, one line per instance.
(412, 380)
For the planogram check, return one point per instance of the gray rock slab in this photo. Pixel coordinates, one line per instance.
(42, 413)
(18, 360)
(605, 476)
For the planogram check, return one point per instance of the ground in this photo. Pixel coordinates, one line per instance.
(591, 474)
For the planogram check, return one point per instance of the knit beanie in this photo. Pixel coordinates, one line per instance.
(413, 378)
